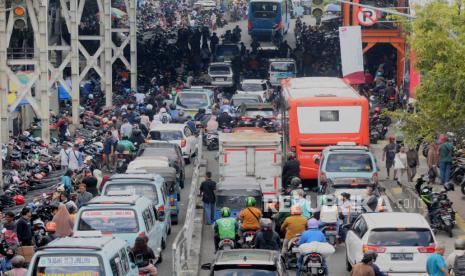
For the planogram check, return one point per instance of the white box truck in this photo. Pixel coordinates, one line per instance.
(255, 153)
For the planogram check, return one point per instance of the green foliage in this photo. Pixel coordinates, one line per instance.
(438, 41)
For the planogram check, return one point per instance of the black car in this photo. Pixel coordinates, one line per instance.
(248, 262)
(171, 151)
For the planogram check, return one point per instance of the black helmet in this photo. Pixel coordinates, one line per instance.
(202, 110)
(371, 254)
(295, 182)
(137, 119)
(172, 106)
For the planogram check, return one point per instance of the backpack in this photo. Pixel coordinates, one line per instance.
(164, 118)
(459, 265)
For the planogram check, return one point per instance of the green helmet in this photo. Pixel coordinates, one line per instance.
(225, 212)
(251, 201)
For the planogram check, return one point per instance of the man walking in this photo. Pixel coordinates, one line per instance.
(445, 158)
(64, 156)
(83, 195)
(435, 264)
(207, 191)
(109, 151)
(389, 153)
(412, 163)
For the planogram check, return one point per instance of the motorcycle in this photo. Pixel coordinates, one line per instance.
(226, 244)
(248, 239)
(313, 265)
(212, 141)
(330, 233)
(291, 256)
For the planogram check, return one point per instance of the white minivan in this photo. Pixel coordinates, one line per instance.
(403, 241)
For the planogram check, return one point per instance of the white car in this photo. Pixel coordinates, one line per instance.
(252, 86)
(179, 134)
(403, 241)
(221, 74)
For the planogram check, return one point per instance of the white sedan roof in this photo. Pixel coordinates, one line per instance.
(395, 220)
(162, 127)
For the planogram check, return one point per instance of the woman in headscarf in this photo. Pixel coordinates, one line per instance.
(99, 176)
(64, 222)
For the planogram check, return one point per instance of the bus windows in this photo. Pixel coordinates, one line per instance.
(264, 9)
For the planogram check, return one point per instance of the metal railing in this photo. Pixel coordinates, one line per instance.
(183, 241)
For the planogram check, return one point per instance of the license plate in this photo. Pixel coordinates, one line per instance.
(314, 265)
(331, 233)
(248, 239)
(446, 217)
(401, 256)
(295, 250)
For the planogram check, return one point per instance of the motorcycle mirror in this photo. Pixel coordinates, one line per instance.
(206, 266)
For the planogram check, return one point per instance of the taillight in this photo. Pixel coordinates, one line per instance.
(331, 227)
(250, 25)
(314, 254)
(183, 143)
(280, 25)
(226, 241)
(161, 213)
(427, 249)
(243, 118)
(376, 249)
(374, 177)
(323, 178)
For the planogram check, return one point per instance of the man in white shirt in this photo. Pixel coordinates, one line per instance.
(126, 129)
(64, 157)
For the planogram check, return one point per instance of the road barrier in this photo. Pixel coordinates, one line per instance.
(183, 241)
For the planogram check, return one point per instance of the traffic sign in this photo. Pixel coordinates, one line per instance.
(367, 17)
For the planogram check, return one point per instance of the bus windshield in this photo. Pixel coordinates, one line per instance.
(264, 9)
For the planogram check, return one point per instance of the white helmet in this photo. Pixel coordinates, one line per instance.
(149, 107)
(162, 110)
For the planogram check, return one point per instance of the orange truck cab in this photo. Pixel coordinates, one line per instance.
(320, 112)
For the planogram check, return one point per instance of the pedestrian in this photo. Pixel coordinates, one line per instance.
(207, 191)
(67, 181)
(445, 158)
(75, 159)
(63, 221)
(9, 221)
(432, 161)
(83, 195)
(400, 165)
(64, 156)
(456, 260)
(435, 264)
(24, 227)
(17, 262)
(365, 267)
(412, 162)
(345, 216)
(389, 153)
(62, 126)
(109, 150)
(126, 128)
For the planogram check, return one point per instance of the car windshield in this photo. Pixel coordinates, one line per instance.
(282, 67)
(166, 135)
(264, 9)
(228, 51)
(401, 237)
(244, 272)
(234, 201)
(147, 190)
(347, 162)
(109, 221)
(192, 100)
(68, 265)
(240, 101)
(253, 87)
(264, 113)
(220, 69)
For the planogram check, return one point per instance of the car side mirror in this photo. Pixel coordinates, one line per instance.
(316, 159)
(206, 266)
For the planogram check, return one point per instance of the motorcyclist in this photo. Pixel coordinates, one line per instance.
(225, 120)
(164, 116)
(266, 238)
(181, 117)
(299, 199)
(455, 261)
(373, 255)
(50, 227)
(143, 255)
(225, 228)
(142, 127)
(313, 234)
(370, 204)
(199, 115)
(291, 168)
(191, 124)
(293, 226)
(173, 112)
(225, 107)
(126, 147)
(250, 216)
(137, 137)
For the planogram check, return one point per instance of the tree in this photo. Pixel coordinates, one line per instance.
(437, 37)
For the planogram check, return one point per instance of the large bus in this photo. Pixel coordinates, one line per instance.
(319, 112)
(266, 17)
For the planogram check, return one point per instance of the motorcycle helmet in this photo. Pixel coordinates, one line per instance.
(51, 227)
(172, 106)
(296, 210)
(71, 206)
(377, 109)
(149, 107)
(38, 222)
(459, 244)
(372, 254)
(251, 201)
(265, 223)
(295, 182)
(162, 110)
(19, 199)
(312, 224)
(225, 212)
